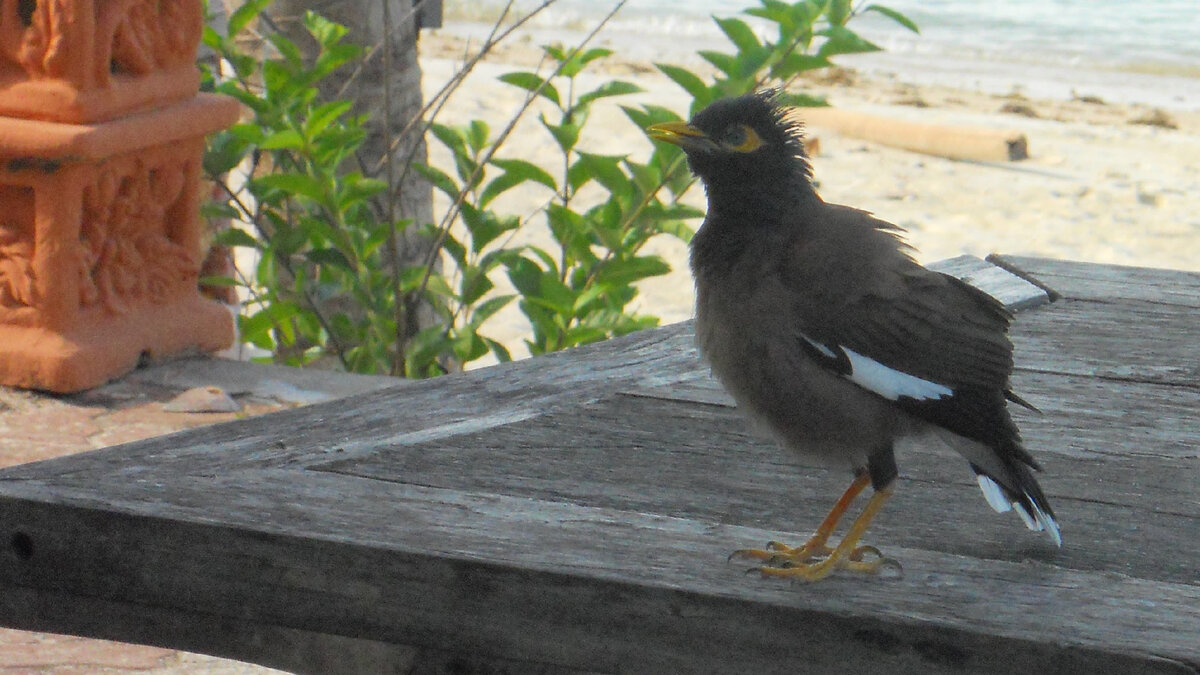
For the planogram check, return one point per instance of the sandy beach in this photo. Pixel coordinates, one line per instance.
(1096, 187)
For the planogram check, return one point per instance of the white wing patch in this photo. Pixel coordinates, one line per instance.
(819, 347)
(889, 383)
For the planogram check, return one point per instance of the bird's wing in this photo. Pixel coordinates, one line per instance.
(938, 330)
(931, 343)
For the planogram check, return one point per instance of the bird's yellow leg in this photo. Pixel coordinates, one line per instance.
(847, 555)
(816, 547)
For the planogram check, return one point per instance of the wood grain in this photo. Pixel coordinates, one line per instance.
(573, 513)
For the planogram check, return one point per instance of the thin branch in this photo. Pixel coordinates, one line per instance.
(398, 310)
(456, 207)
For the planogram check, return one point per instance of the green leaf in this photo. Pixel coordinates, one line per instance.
(534, 83)
(213, 210)
(739, 33)
(356, 189)
(569, 229)
(610, 88)
(454, 138)
(678, 229)
(498, 350)
(234, 236)
(565, 134)
(334, 57)
(224, 152)
(649, 114)
(573, 64)
(287, 49)
(331, 257)
(456, 250)
(838, 12)
(894, 16)
(689, 81)
(243, 15)
(516, 171)
(326, 32)
(797, 63)
(484, 310)
(629, 270)
(541, 288)
(774, 11)
(474, 286)
(587, 296)
(287, 139)
(423, 349)
(726, 63)
(477, 135)
(212, 39)
(277, 78)
(468, 346)
(592, 54)
(247, 133)
(647, 177)
(842, 40)
(298, 184)
(325, 114)
(604, 169)
(438, 178)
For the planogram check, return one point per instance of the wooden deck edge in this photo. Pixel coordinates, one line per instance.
(1003, 262)
(1018, 292)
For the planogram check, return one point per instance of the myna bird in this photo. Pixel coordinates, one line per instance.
(826, 332)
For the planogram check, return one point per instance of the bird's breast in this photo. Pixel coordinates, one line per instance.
(747, 330)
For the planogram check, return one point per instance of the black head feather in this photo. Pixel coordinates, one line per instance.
(780, 157)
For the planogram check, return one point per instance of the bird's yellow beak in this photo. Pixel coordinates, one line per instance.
(676, 133)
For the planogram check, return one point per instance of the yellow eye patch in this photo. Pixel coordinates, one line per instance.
(741, 138)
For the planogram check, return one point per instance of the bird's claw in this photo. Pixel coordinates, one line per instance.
(816, 560)
(778, 554)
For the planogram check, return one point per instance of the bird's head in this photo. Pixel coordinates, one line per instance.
(750, 140)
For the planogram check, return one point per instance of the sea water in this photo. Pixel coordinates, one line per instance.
(1145, 51)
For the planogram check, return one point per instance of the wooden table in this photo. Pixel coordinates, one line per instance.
(575, 511)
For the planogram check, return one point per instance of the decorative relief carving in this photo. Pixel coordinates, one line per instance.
(16, 247)
(134, 37)
(126, 249)
(141, 36)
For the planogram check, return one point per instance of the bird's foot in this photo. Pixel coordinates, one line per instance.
(815, 560)
(778, 554)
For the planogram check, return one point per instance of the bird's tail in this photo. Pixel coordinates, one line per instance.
(1018, 491)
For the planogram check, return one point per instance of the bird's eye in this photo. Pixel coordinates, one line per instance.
(741, 138)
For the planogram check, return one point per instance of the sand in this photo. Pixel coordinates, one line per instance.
(1096, 187)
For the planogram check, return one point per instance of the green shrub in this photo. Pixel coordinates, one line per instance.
(323, 287)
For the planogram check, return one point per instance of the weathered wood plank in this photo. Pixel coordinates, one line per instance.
(430, 408)
(532, 512)
(1089, 281)
(1120, 340)
(1014, 291)
(578, 586)
(699, 461)
(1083, 417)
(230, 637)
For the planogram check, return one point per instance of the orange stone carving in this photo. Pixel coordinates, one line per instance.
(100, 232)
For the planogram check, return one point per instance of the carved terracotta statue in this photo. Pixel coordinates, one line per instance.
(101, 138)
